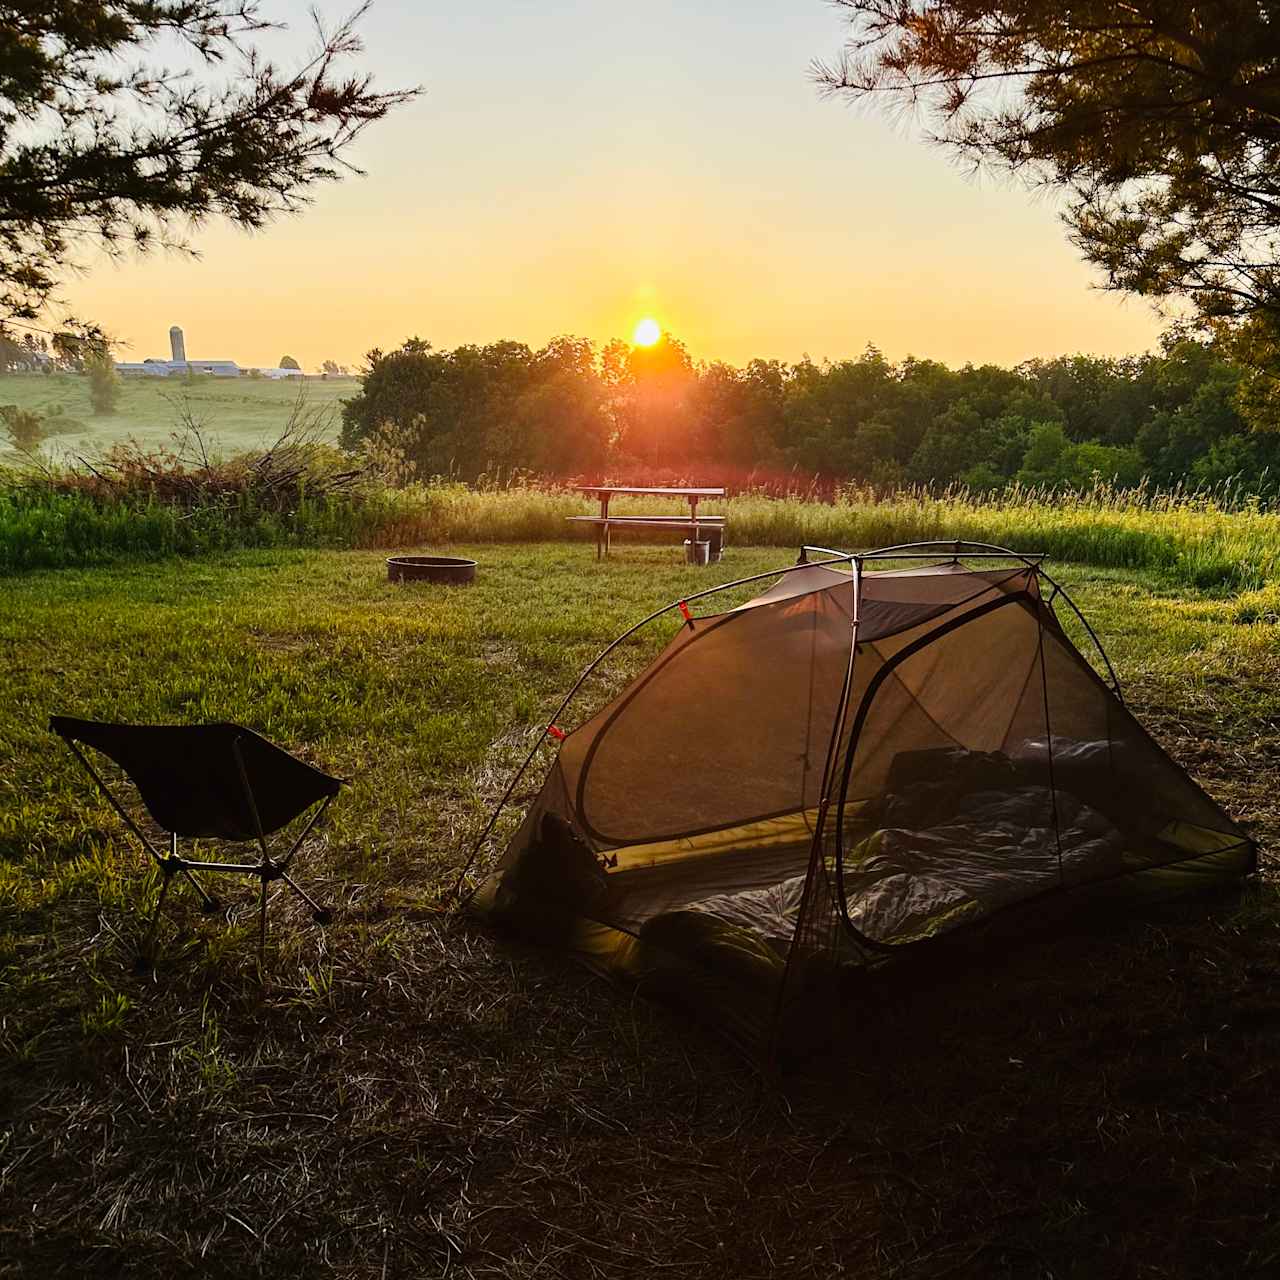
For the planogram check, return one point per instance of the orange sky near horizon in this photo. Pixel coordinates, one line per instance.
(577, 166)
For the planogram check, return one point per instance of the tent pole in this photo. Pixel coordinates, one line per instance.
(952, 548)
(824, 803)
(1048, 737)
(1060, 590)
(599, 658)
(859, 723)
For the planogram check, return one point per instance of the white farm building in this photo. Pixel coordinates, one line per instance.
(179, 366)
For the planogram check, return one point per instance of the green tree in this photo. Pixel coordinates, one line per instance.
(569, 409)
(982, 477)
(1081, 465)
(102, 145)
(923, 389)
(1160, 121)
(1254, 347)
(950, 446)
(288, 362)
(1041, 464)
(561, 412)
(12, 354)
(104, 382)
(1054, 462)
(1095, 398)
(454, 412)
(1249, 461)
(872, 453)
(396, 387)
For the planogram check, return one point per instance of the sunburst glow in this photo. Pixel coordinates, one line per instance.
(647, 332)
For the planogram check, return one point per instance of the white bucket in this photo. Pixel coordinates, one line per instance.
(698, 552)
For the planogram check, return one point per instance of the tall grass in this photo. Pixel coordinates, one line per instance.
(1195, 538)
(53, 530)
(135, 502)
(1186, 537)
(1203, 539)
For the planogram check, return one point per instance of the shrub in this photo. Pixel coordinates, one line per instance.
(25, 428)
(104, 383)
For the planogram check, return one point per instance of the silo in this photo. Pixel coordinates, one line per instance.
(177, 345)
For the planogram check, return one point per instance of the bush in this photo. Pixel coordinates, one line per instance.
(25, 428)
(104, 383)
(132, 503)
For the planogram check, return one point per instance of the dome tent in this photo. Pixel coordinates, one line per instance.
(863, 760)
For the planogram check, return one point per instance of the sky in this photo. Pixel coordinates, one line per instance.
(576, 165)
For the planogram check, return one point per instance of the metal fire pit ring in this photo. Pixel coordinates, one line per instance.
(446, 569)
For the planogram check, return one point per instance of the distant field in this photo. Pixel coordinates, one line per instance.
(237, 413)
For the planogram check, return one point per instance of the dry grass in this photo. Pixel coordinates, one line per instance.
(405, 1094)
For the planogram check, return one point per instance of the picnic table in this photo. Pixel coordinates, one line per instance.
(693, 523)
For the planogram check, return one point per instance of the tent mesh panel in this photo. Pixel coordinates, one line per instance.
(976, 764)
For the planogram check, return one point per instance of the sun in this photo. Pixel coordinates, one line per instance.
(647, 332)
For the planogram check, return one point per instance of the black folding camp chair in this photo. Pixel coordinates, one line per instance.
(213, 781)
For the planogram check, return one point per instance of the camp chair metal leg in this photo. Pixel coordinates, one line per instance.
(306, 831)
(262, 921)
(321, 914)
(265, 869)
(208, 903)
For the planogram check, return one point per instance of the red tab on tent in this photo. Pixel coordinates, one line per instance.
(684, 608)
(556, 732)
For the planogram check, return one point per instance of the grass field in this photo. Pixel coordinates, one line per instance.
(405, 1094)
(237, 414)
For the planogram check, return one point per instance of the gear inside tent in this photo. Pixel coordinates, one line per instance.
(861, 761)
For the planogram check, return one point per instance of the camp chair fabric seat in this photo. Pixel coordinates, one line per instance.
(190, 781)
(216, 781)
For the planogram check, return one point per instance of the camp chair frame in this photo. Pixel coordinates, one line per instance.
(266, 869)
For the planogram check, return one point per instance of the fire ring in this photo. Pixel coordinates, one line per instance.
(443, 569)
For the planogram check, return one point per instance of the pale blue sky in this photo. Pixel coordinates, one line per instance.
(575, 166)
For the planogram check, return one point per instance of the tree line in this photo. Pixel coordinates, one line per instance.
(1187, 414)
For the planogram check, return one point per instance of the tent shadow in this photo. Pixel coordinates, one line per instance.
(955, 1023)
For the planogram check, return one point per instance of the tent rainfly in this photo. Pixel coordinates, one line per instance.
(857, 763)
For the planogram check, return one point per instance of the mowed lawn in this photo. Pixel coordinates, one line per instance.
(405, 1094)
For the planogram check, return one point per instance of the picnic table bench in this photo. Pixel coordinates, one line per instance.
(712, 526)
